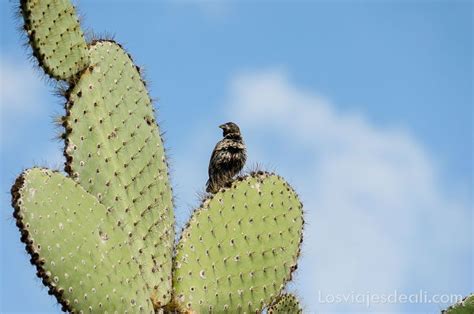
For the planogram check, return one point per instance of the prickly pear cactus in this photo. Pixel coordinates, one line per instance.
(466, 306)
(79, 252)
(285, 304)
(102, 238)
(240, 248)
(114, 151)
(56, 37)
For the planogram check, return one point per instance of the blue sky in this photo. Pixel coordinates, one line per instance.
(364, 106)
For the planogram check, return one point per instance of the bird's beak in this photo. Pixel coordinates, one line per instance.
(222, 126)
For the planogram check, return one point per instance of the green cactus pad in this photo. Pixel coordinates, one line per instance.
(114, 150)
(466, 306)
(285, 304)
(56, 37)
(79, 252)
(239, 249)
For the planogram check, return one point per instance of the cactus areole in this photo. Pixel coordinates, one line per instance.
(102, 237)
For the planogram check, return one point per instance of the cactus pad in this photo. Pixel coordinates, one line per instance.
(240, 248)
(285, 304)
(56, 37)
(466, 306)
(114, 150)
(102, 239)
(79, 252)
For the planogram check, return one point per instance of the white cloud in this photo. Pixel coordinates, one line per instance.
(378, 218)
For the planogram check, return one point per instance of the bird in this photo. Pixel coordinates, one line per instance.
(227, 159)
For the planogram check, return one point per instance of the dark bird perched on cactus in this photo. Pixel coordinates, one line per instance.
(227, 159)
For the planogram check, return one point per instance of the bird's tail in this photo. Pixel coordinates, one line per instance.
(209, 186)
(212, 186)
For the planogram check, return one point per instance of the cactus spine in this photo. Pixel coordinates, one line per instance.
(102, 238)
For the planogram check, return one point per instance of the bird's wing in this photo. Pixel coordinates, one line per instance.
(223, 145)
(213, 162)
